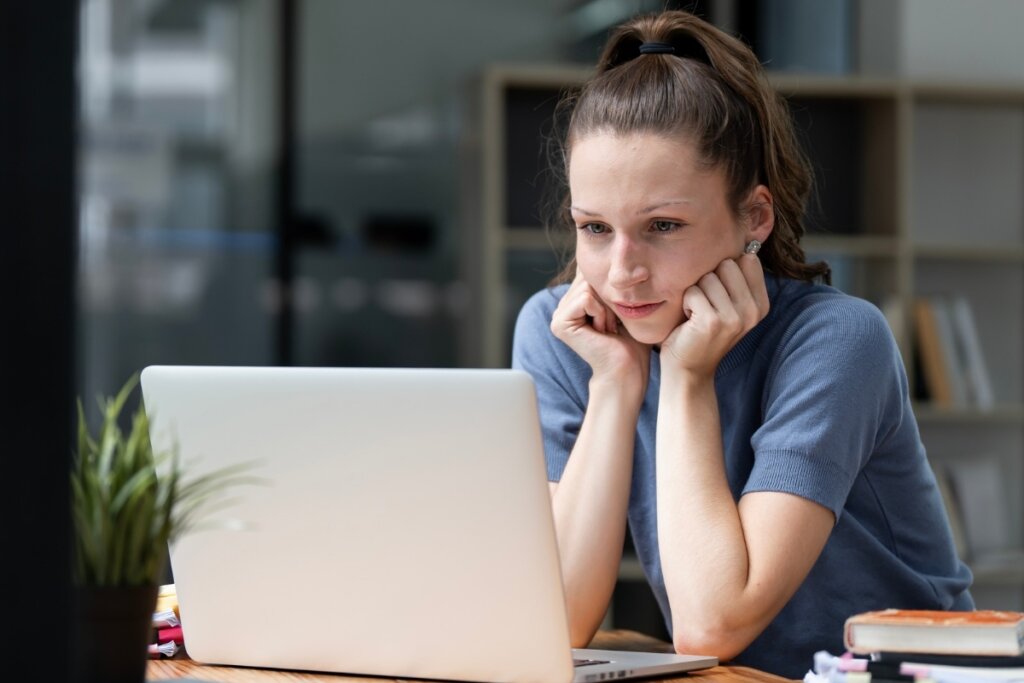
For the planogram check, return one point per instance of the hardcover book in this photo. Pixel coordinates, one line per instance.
(984, 632)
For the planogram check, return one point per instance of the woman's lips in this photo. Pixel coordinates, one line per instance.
(633, 311)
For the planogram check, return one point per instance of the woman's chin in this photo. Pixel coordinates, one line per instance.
(647, 334)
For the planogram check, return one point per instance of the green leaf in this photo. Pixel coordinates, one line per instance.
(129, 502)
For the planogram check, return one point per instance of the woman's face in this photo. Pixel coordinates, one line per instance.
(650, 223)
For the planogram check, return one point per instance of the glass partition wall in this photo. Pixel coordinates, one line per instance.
(289, 181)
(177, 119)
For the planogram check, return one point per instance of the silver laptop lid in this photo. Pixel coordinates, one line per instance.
(405, 529)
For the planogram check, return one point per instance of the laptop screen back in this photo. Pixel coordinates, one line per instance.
(404, 528)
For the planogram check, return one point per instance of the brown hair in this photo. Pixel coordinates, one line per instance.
(710, 87)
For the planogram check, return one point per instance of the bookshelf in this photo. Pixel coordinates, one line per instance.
(920, 192)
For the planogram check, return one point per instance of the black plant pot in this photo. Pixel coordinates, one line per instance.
(112, 629)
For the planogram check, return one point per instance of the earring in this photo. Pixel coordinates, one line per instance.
(753, 246)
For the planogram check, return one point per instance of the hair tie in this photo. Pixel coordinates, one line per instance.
(657, 48)
(684, 46)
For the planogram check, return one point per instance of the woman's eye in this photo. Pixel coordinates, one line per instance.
(665, 226)
(594, 228)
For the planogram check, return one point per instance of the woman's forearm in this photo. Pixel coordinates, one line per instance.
(590, 504)
(703, 550)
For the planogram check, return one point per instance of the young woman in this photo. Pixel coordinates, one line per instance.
(750, 425)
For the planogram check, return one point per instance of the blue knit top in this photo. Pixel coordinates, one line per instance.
(813, 402)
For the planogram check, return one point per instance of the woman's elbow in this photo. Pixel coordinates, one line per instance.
(580, 636)
(715, 640)
(582, 628)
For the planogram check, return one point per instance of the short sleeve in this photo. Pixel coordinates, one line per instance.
(560, 377)
(836, 386)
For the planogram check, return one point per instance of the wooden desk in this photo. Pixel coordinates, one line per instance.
(612, 640)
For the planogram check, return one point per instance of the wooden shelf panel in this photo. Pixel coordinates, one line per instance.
(976, 93)
(791, 85)
(880, 87)
(539, 75)
(857, 245)
(1007, 414)
(536, 239)
(969, 252)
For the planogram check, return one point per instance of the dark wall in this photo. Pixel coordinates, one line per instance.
(38, 45)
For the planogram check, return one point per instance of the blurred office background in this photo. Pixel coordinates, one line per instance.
(269, 182)
(299, 182)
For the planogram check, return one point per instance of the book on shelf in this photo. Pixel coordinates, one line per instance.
(984, 632)
(949, 349)
(929, 346)
(980, 489)
(978, 379)
(952, 362)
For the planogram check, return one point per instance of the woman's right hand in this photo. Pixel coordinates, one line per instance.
(591, 329)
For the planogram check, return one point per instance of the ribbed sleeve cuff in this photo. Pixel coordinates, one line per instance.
(801, 474)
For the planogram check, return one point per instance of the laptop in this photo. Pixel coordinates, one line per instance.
(402, 526)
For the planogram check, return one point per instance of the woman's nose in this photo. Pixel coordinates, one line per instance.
(628, 265)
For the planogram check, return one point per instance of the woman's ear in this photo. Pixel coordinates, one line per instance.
(760, 215)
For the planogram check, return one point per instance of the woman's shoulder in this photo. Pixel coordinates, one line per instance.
(541, 305)
(533, 324)
(805, 310)
(535, 348)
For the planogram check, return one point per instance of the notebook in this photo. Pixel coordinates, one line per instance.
(402, 527)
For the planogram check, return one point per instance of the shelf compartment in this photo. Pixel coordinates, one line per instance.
(968, 171)
(995, 293)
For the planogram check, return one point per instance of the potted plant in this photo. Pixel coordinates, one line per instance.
(128, 504)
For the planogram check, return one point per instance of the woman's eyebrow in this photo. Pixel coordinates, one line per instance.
(660, 205)
(646, 209)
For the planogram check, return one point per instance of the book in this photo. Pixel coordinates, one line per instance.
(168, 649)
(979, 382)
(984, 632)
(167, 599)
(960, 674)
(950, 350)
(982, 493)
(165, 619)
(978, 661)
(170, 634)
(929, 344)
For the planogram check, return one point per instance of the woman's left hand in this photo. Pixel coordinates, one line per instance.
(723, 306)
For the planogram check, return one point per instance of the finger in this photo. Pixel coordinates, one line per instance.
(571, 310)
(578, 283)
(696, 305)
(718, 294)
(753, 272)
(596, 310)
(739, 288)
(733, 280)
(744, 279)
(603, 316)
